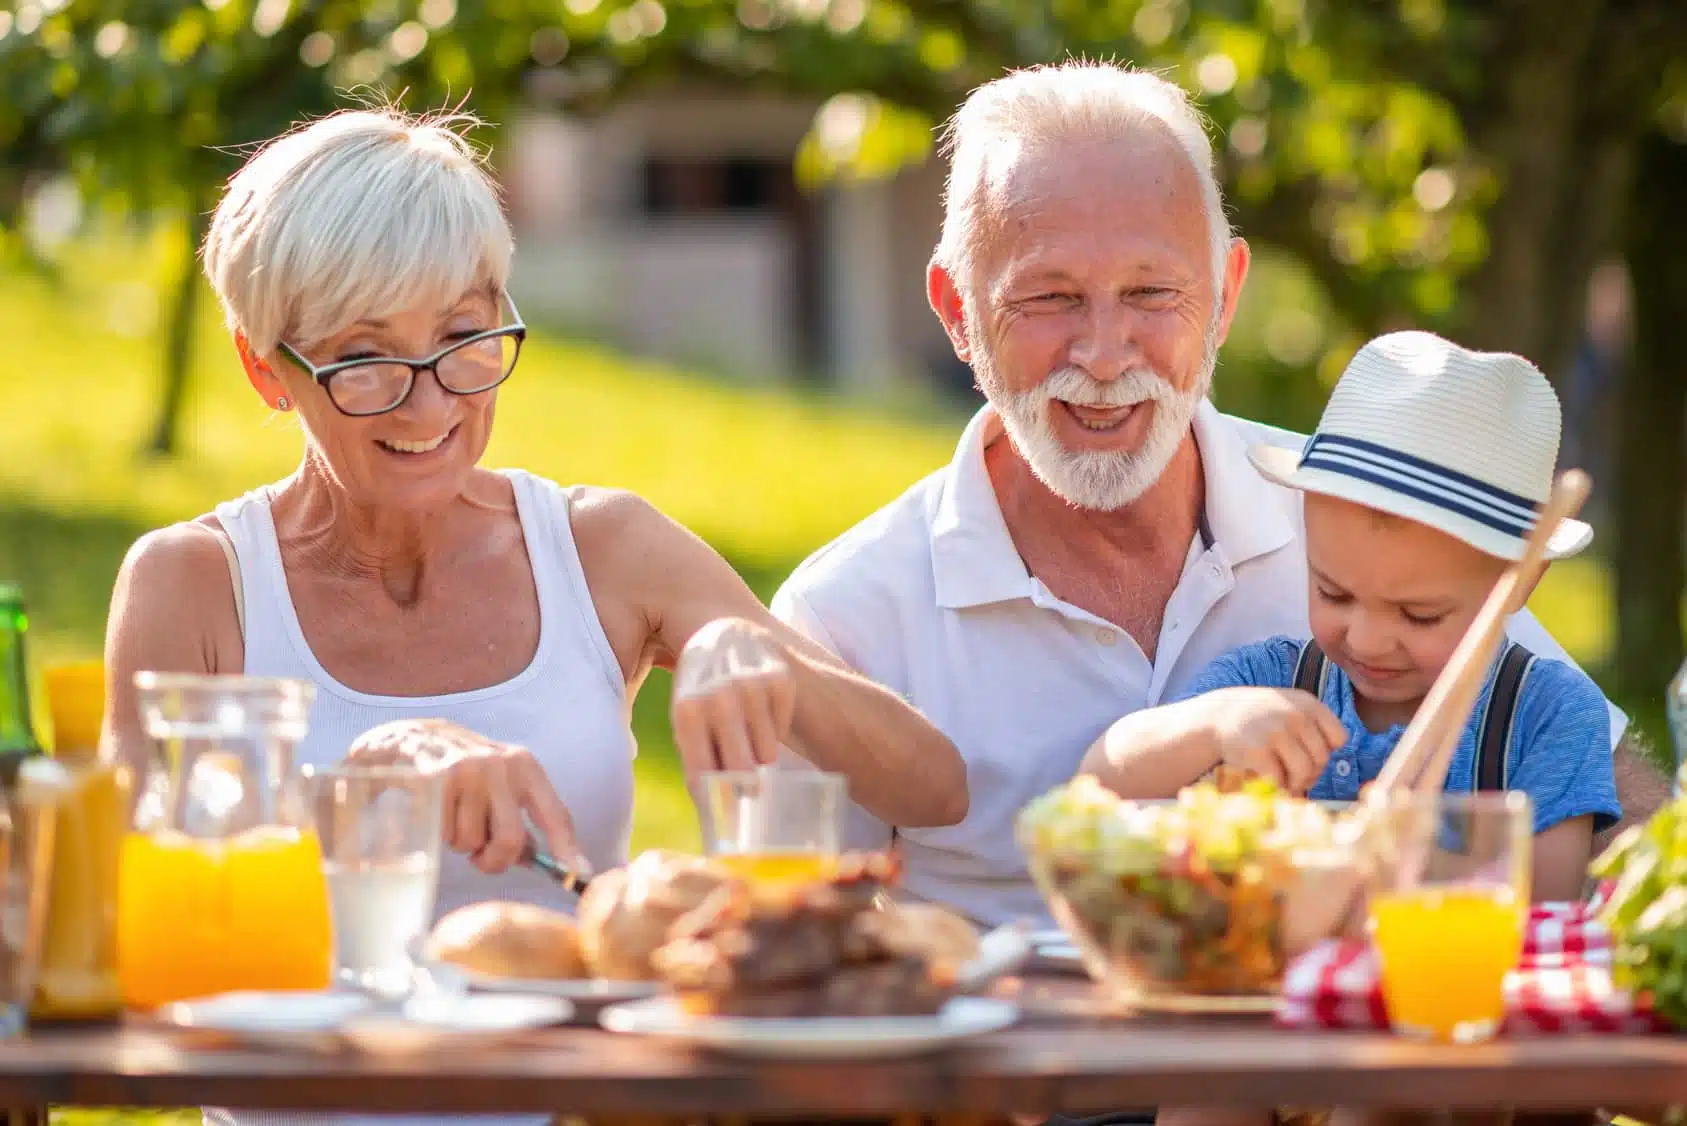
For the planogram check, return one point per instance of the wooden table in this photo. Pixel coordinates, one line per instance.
(1063, 1057)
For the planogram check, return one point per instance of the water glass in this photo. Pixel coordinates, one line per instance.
(774, 824)
(1448, 914)
(380, 828)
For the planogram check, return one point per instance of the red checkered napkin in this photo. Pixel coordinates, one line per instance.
(1563, 983)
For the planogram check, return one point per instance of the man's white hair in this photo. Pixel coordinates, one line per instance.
(1028, 110)
(361, 214)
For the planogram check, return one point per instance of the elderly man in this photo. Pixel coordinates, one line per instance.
(1100, 535)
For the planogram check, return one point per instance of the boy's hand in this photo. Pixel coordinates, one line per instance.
(1283, 734)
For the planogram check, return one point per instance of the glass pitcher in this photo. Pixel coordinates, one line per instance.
(220, 886)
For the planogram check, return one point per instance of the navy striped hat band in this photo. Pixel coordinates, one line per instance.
(1410, 476)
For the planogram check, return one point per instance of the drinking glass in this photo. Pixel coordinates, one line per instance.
(774, 825)
(380, 829)
(1448, 914)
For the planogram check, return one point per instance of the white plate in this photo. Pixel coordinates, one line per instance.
(819, 1038)
(429, 1020)
(592, 990)
(280, 1018)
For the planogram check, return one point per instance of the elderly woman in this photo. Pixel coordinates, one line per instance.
(362, 264)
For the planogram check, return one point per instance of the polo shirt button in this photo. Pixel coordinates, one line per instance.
(1106, 636)
(1343, 768)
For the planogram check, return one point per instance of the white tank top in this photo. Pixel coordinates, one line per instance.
(568, 706)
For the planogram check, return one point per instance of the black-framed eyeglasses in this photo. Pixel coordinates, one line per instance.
(378, 384)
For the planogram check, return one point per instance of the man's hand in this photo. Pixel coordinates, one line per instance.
(733, 697)
(1282, 734)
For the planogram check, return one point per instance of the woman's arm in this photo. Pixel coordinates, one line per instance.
(172, 610)
(900, 768)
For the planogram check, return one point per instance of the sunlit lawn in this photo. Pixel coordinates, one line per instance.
(765, 476)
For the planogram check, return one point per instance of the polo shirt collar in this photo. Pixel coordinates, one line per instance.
(974, 561)
(973, 558)
(1248, 515)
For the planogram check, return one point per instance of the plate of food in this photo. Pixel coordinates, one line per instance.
(1190, 904)
(512, 948)
(820, 969)
(597, 957)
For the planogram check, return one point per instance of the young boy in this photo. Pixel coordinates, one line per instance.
(1420, 484)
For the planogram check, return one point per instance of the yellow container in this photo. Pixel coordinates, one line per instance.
(77, 978)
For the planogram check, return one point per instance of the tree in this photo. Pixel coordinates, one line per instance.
(148, 102)
(1651, 466)
(1458, 164)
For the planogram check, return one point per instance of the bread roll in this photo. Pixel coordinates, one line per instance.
(625, 913)
(504, 939)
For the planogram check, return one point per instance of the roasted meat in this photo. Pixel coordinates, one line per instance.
(820, 949)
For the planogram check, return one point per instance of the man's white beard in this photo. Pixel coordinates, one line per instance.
(1094, 479)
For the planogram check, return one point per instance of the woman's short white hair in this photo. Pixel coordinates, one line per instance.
(360, 214)
(1072, 101)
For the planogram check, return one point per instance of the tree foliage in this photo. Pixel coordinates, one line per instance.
(1460, 164)
(1373, 139)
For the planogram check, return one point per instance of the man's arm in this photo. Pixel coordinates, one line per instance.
(862, 831)
(1642, 787)
(898, 764)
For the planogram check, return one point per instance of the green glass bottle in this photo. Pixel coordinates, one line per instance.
(17, 732)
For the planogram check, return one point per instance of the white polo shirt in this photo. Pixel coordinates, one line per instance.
(929, 597)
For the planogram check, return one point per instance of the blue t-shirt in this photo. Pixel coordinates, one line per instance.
(1559, 753)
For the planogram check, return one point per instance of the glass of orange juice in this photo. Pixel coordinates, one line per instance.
(1447, 917)
(220, 883)
(774, 825)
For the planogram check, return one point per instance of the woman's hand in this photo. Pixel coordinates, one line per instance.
(733, 697)
(489, 787)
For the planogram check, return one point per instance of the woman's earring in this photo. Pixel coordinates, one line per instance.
(282, 404)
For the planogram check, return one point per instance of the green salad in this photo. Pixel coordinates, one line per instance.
(1646, 912)
(1203, 827)
(1183, 894)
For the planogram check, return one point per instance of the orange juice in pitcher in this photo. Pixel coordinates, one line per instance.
(221, 885)
(207, 916)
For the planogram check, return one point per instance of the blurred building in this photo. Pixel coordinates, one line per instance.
(672, 226)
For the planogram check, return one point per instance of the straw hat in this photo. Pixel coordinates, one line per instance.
(1466, 442)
